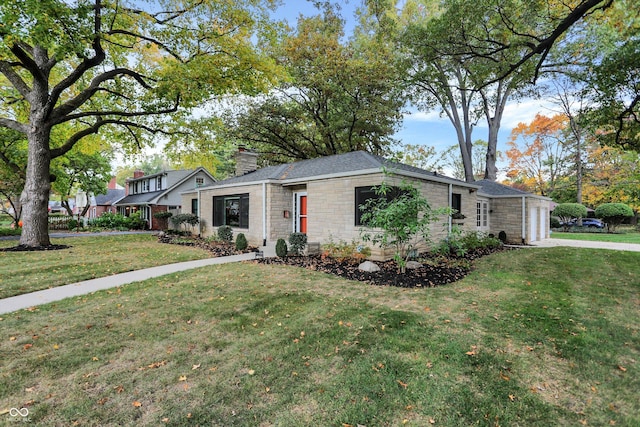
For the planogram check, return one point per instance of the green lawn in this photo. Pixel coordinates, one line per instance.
(626, 236)
(87, 258)
(532, 338)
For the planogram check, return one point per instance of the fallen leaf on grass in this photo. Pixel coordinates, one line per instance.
(404, 385)
(182, 378)
(137, 404)
(622, 368)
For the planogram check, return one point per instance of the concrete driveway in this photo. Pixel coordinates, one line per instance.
(550, 243)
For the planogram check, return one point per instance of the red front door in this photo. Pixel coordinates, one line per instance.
(302, 216)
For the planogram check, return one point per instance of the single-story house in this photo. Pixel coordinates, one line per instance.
(160, 192)
(319, 197)
(524, 217)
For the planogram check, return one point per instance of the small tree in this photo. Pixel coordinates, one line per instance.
(400, 221)
(613, 214)
(568, 212)
(185, 218)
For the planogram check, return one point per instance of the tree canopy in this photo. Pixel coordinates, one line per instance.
(120, 68)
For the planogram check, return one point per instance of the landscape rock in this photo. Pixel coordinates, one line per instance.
(413, 265)
(368, 266)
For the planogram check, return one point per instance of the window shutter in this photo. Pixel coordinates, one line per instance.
(218, 211)
(244, 211)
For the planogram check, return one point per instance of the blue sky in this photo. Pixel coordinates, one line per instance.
(427, 128)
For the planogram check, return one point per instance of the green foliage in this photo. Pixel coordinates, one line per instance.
(225, 233)
(281, 248)
(554, 222)
(460, 243)
(344, 251)
(342, 95)
(614, 214)
(163, 215)
(241, 242)
(184, 219)
(73, 224)
(569, 211)
(111, 221)
(297, 242)
(400, 223)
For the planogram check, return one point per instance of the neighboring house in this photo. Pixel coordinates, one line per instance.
(103, 203)
(523, 216)
(319, 197)
(160, 192)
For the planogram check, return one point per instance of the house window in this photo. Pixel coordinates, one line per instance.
(159, 183)
(145, 186)
(456, 202)
(232, 210)
(199, 181)
(194, 206)
(364, 194)
(482, 214)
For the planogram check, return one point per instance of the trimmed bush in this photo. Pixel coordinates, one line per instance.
(613, 214)
(281, 248)
(241, 242)
(569, 211)
(225, 233)
(297, 242)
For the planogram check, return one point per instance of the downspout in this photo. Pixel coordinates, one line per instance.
(524, 220)
(199, 211)
(264, 214)
(449, 223)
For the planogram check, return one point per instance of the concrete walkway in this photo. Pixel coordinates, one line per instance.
(551, 243)
(20, 302)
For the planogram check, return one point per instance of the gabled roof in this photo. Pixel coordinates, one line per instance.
(112, 196)
(353, 163)
(173, 179)
(494, 189)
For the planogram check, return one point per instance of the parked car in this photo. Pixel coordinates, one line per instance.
(588, 222)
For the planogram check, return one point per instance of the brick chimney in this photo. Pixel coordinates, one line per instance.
(112, 184)
(138, 174)
(246, 161)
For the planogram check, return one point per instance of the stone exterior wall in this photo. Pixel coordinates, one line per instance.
(331, 209)
(506, 215)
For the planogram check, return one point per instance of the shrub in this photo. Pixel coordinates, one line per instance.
(185, 218)
(297, 242)
(72, 224)
(281, 248)
(613, 214)
(225, 233)
(569, 211)
(241, 242)
(110, 221)
(343, 251)
(137, 223)
(554, 222)
(460, 243)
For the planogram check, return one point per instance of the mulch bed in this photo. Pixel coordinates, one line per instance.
(25, 248)
(217, 249)
(435, 271)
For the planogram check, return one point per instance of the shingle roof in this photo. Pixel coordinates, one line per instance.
(329, 165)
(492, 188)
(112, 196)
(142, 198)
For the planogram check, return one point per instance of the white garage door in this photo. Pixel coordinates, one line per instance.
(533, 225)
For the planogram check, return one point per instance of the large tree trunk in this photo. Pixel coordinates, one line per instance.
(490, 170)
(35, 196)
